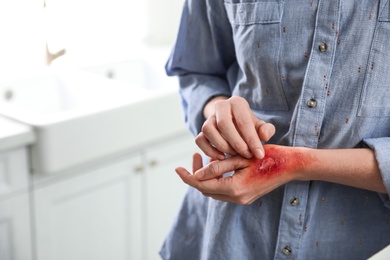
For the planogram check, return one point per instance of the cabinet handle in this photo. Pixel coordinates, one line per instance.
(138, 169)
(153, 163)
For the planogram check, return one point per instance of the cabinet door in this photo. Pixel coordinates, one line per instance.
(164, 189)
(15, 229)
(95, 215)
(14, 171)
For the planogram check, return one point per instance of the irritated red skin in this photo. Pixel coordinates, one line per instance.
(278, 160)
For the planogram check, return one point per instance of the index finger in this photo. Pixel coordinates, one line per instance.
(216, 169)
(212, 186)
(245, 123)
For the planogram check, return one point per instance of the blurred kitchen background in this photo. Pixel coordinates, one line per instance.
(91, 129)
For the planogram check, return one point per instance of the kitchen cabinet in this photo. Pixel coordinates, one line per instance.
(15, 228)
(164, 190)
(95, 214)
(118, 209)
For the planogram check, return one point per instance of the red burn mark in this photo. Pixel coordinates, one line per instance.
(267, 164)
(278, 160)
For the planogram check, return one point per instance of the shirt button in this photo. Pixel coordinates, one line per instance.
(312, 103)
(294, 201)
(323, 47)
(287, 250)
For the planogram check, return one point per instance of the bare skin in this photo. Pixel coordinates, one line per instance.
(253, 178)
(232, 128)
(256, 176)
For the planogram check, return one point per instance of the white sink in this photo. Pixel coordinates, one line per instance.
(80, 117)
(146, 71)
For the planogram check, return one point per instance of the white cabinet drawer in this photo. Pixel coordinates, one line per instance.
(13, 171)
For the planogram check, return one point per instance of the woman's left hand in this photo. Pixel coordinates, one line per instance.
(252, 178)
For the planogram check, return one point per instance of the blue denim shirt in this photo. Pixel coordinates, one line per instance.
(319, 70)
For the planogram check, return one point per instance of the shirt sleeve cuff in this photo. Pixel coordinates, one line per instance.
(195, 92)
(381, 147)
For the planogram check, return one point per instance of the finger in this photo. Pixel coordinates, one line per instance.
(212, 132)
(245, 122)
(197, 162)
(186, 176)
(204, 144)
(227, 128)
(223, 189)
(265, 130)
(216, 169)
(212, 186)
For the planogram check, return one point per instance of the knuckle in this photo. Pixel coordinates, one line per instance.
(223, 123)
(214, 168)
(199, 139)
(236, 99)
(206, 128)
(219, 103)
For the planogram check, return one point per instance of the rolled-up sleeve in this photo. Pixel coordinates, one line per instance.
(201, 57)
(381, 147)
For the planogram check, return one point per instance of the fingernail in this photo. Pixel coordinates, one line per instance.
(259, 153)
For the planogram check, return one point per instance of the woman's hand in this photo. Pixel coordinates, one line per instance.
(232, 128)
(252, 178)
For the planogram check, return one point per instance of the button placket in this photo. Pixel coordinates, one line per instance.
(308, 123)
(319, 70)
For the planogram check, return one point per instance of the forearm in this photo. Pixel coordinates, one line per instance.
(352, 167)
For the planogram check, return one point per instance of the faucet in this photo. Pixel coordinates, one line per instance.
(52, 56)
(49, 56)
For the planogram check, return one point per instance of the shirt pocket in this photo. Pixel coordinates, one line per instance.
(375, 97)
(255, 12)
(256, 27)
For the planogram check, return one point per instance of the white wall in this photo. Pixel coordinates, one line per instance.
(22, 35)
(91, 31)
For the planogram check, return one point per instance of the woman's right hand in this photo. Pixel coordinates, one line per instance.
(232, 128)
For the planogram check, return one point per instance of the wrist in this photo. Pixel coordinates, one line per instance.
(306, 163)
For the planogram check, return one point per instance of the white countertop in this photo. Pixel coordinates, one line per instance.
(14, 134)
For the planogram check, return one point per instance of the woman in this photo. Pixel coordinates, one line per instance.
(309, 79)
